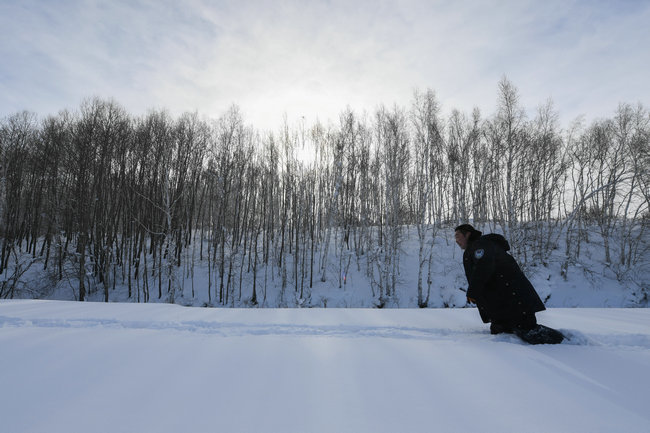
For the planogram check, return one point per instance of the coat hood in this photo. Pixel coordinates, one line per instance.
(497, 239)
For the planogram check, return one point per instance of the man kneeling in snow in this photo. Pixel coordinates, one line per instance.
(500, 289)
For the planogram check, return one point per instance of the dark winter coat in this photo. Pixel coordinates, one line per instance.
(501, 290)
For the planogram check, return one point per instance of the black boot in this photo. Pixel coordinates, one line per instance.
(540, 334)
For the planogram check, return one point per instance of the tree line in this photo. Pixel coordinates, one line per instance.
(102, 198)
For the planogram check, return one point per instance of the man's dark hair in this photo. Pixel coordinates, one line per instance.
(467, 228)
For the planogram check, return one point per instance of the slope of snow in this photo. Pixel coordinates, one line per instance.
(590, 282)
(75, 367)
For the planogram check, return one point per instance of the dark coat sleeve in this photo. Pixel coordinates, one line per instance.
(480, 266)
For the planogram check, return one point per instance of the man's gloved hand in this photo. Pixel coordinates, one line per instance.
(470, 300)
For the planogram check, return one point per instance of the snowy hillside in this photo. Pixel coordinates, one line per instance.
(590, 281)
(95, 367)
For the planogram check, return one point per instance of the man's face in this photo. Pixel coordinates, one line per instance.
(462, 239)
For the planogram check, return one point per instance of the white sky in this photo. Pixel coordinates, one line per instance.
(313, 58)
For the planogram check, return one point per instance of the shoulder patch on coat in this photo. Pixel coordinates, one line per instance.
(479, 253)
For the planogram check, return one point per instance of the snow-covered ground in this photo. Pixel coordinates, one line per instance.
(94, 367)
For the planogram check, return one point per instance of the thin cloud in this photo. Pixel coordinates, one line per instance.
(312, 59)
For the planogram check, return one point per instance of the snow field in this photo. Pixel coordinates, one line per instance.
(82, 367)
